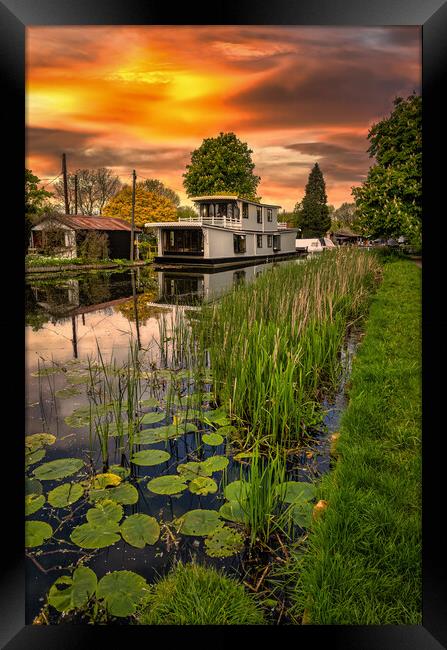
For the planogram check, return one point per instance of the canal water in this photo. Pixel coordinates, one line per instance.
(67, 320)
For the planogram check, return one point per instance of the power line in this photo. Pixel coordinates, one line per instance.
(52, 181)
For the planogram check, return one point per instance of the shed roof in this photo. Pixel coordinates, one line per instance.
(86, 222)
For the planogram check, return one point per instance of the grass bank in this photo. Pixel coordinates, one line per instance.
(363, 563)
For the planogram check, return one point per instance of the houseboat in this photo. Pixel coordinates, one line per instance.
(314, 245)
(227, 230)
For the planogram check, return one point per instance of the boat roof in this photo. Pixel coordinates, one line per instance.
(230, 197)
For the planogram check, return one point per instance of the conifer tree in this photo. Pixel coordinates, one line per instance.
(315, 220)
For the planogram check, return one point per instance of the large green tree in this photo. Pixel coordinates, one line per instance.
(36, 202)
(389, 202)
(157, 187)
(314, 219)
(221, 165)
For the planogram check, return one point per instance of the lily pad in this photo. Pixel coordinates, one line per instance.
(227, 430)
(68, 593)
(125, 493)
(36, 440)
(150, 457)
(169, 484)
(216, 463)
(78, 379)
(104, 480)
(224, 542)
(33, 457)
(150, 402)
(122, 472)
(33, 503)
(203, 485)
(193, 469)
(237, 490)
(57, 469)
(122, 592)
(65, 495)
(36, 532)
(152, 418)
(198, 522)
(233, 511)
(44, 372)
(105, 514)
(89, 536)
(139, 530)
(190, 414)
(33, 486)
(296, 491)
(70, 391)
(301, 514)
(213, 439)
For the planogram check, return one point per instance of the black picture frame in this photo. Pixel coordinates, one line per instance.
(15, 16)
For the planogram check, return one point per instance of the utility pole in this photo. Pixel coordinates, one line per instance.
(76, 193)
(132, 223)
(64, 172)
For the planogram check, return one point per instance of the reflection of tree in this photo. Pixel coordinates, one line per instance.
(145, 311)
(94, 289)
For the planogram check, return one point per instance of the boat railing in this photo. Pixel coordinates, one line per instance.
(233, 223)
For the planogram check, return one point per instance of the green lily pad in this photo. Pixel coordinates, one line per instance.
(78, 379)
(65, 495)
(37, 440)
(198, 522)
(33, 486)
(237, 490)
(104, 480)
(57, 469)
(139, 530)
(191, 414)
(192, 470)
(122, 472)
(213, 439)
(33, 503)
(152, 418)
(105, 514)
(122, 592)
(125, 493)
(296, 492)
(203, 485)
(233, 511)
(33, 457)
(150, 402)
(161, 434)
(301, 514)
(89, 536)
(169, 484)
(216, 463)
(44, 372)
(36, 532)
(224, 542)
(227, 430)
(150, 457)
(70, 391)
(68, 593)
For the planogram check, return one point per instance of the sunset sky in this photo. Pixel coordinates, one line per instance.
(144, 97)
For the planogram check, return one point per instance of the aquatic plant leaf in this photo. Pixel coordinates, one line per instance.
(169, 484)
(106, 514)
(150, 402)
(90, 536)
(104, 480)
(233, 511)
(190, 414)
(237, 490)
(33, 457)
(36, 532)
(214, 415)
(203, 485)
(243, 454)
(193, 470)
(37, 440)
(125, 493)
(65, 495)
(44, 372)
(152, 418)
(224, 542)
(70, 391)
(57, 469)
(301, 514)
(227, 430)
(150, 457)
(296, 491)
(198, 522)
(78, 589)
(122, 472)
(139, 530)
(77, 421)
(78, 379)
(213, 439)
(160, 434)
(33, 503)
(122, 592)
(33, 486)
(215, 463)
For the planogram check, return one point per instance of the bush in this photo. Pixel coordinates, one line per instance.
(94, 245)
(196, 595)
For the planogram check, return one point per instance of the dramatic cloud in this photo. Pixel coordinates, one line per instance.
(144, 97)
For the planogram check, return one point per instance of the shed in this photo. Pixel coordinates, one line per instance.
(68, 230)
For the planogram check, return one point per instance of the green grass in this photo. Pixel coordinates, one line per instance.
(363, 563)
(37, 261)
(196, 595)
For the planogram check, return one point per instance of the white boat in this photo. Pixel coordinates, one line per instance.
(314, 245)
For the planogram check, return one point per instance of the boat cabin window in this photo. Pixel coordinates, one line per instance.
(259, 215)
(239, 243)
(259, 241)
(245, 210)
(276, 242)
(269, 214)
(269, 241)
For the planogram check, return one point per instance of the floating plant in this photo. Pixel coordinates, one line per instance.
(150, 457)
(198, 522)
(203, 485)
(33, 503)
(212, 439)
(122, 592)
(65, 495)
(224, 542)
(37, 532)
(125, 494)
(72, 592)
(57, 469)
(139, 530)
(169, 484)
